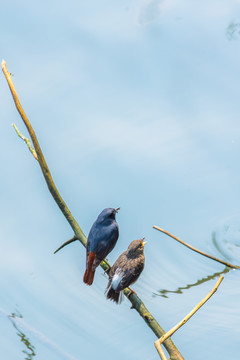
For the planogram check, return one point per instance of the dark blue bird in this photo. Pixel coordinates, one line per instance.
(101, 240)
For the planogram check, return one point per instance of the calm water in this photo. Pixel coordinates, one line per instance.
(136, 105)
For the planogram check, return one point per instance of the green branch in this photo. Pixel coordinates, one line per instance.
(42, 162)
(133, 298)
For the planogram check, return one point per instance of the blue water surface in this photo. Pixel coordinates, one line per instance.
(135, 104)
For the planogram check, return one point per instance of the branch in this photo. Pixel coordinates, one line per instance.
(139, 306)
(42, 162)
(196, 250)
(27, 141)
(134, 299)
(184, 320)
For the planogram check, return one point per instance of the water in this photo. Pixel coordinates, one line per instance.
(135, 105)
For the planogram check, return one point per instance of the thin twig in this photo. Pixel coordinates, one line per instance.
(74, 238)
(185, 319)
(160, 351)
(27, 141)
(133, 298)
(196, 250)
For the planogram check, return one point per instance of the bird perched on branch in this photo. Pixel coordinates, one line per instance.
(101, 240)
(126, 270)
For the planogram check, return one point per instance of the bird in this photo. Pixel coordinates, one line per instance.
(126, 270)
(102, 238)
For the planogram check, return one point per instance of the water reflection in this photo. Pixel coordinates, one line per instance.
(30, 351)
(163, 292)
(233, 31)
(226, 238)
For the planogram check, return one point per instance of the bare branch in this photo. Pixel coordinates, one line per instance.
(42, 162)
(196, 250)
(185, 319)
(133, 298)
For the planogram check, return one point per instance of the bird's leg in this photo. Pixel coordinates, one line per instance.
(107, 271)
(131, 292)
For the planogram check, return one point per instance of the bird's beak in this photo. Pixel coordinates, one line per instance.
(144, 243)
(117, 209)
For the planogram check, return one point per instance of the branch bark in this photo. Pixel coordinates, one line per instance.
(137, 303)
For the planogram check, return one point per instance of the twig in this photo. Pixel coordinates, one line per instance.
(185, 319)
(27, 141)
(196, 250)
(134, 299)
(74, 238)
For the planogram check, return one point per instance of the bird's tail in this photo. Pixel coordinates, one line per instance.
(114, 296)
(89, 273)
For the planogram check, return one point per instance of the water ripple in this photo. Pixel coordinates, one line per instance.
(226, 238)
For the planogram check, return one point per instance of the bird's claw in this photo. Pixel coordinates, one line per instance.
(107, 271)
(131, 292)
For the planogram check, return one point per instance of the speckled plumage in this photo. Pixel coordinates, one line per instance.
(101, 240)
(126, 270)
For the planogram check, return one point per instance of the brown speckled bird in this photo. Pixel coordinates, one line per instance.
(126, 270)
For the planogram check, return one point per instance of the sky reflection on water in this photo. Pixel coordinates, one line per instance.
(135, 104)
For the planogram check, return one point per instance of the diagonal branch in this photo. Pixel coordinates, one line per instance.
(184, 320)
(42, 162)
(196, 250)
(133, 298)
(139, 306)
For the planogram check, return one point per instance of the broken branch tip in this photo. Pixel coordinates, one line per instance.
(3, 64)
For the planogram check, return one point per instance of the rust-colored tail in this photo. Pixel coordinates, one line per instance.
(89, 273)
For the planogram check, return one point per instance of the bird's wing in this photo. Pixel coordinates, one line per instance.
(120, 262)
(107, 241)
(102, 239)
(126, 277)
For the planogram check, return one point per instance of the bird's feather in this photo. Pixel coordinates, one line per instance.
(89, 273)
(117, 278)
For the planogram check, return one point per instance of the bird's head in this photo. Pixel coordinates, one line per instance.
(108, 213)
(136, 247)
